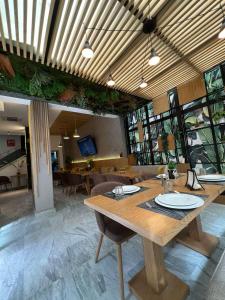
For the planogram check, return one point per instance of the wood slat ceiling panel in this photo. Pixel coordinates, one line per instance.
(25, 25)
(54, 32)
(167, 81)
(211, 55)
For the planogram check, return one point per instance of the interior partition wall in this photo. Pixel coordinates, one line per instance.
(198, 128)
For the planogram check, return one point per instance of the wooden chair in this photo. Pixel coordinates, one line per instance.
(4, 181)
(74, 182)
(111, 229)
(118, 178)
(97, 178)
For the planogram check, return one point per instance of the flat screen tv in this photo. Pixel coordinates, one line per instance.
(87, 146)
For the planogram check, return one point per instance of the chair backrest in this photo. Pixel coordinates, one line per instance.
(100, 189)
(56, 176)
(4, 180)
(118, 178)
(65, 178)
(98, 178)
(74, 179)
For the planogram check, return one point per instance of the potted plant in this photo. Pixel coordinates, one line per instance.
(171, 168)
(90, 164)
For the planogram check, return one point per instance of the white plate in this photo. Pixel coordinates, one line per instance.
(212, 177)
(176, 199)
(129, 189)
(199, 203)
(160, 176)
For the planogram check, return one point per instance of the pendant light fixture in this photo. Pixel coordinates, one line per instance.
(60, 143)
(66, 137)
(143, 83)
(87, 52)
(221, 34)
(110, 81)
(154, 58)
(76, 134)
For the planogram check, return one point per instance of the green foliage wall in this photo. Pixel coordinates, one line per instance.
(45, 83)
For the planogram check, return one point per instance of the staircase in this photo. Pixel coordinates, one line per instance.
(11, 157)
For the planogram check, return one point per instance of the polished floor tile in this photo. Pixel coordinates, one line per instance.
(51, 256)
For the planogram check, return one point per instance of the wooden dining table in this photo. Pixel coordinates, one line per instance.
(154, 281)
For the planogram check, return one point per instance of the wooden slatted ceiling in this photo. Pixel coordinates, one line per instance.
(25, 27)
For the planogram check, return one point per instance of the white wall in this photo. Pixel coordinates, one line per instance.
(54, 140)
(10, 170)
(109, 137)
(4, 149)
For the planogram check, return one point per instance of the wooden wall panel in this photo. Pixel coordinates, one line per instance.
(191, 90)
(160, 104)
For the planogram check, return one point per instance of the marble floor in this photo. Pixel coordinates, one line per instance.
(51, 256)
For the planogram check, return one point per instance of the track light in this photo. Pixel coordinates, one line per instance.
(110, 81)
(87, 52)
(221, 34)
(154, 58)
(143, 83)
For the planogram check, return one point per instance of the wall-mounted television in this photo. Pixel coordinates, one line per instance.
(87, 146)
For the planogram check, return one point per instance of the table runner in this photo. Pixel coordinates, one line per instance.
(178, 214)
(112, 195)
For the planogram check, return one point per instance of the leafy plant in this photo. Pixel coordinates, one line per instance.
(217, 116)
(171, 165)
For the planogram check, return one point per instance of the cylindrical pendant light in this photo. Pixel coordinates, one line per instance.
(221, 34)
(76, 134)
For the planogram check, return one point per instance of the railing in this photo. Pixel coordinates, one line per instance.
(4, 154)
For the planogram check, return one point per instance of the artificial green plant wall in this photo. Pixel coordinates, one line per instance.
(19, 75)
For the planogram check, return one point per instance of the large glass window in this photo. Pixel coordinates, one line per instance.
(198, 128)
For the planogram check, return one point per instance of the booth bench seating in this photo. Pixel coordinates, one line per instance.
(216, 289)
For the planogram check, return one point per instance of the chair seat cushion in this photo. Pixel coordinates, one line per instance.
(217, 283)
(117, 232)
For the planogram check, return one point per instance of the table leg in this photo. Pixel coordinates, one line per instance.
(88, 185)
(154, 282)
(196, 239)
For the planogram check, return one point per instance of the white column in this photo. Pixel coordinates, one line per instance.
(41, 156)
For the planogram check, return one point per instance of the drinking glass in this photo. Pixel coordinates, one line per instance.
(202, 171)
(119, 191)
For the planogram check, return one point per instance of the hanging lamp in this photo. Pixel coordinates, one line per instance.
(66, 137)
(76, 134)
(110, 81)
(60, 143)
(87, 51)
(143, 83)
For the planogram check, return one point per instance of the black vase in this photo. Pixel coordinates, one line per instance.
(171, 174)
